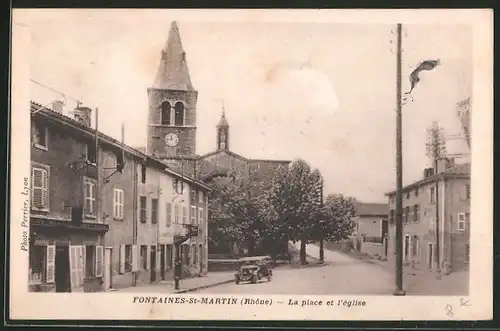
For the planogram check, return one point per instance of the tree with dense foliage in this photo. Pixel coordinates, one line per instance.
(337, 221)
(234, 212)
(292, 203)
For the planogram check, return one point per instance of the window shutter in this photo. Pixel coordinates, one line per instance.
(37, 182)
(121, 204)
(122, 258)
(148, 258)
(45, 188)
(169, 214)
(135, 258)
(73, 267)
(99, 256)
(51, 260)
(83, 264)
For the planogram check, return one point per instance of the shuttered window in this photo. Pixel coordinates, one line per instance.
(200, 216)
(143, 209)
(154, 211)
(77, 267)
(40, 188)
(461, 221)
(176, 212)
(99, 260)
(118, 204)
(51, 264)
(184, 215)
(169, 214)
(193, 215)
(89, 197)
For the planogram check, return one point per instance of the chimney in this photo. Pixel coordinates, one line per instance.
(82, 115)
(57, 106)
(428, 172)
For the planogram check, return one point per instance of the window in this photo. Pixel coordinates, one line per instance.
(154, 211)
(467, 253)
(193, 215)
(416, 213)
(416, 192)
(176, 213)
(184, 215)
(169, 214)
(90, 152)
(37, 264)
(391, 217)
(200, 196)
(143, 173)
(415, 246)
(179, 113)
(40, 135)
(165, 113)
(89, 196)
(118, 204)
(90, 261)
(144, 257)
(200, 216)
(143, 209)
(461, 221)
(406, 214)
(432, 223)
(432, 195)
(193, 195)
(467, 191)
(408, 195)
(40, 188)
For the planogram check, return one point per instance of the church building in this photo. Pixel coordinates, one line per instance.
(172, 124)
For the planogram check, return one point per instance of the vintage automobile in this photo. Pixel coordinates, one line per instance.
(253, 269)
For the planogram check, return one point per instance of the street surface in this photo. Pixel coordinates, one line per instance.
(341, 275)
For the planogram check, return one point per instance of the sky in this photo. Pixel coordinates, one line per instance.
(322, 92)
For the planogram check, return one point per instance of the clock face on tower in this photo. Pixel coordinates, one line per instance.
(171, 139)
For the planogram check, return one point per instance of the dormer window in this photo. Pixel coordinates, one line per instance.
(179, 114)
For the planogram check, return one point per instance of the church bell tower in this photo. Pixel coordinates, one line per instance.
(172, 104)
(223, 133)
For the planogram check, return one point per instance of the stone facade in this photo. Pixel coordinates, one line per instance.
(419, 227)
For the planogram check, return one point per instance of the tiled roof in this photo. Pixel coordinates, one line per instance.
(372, 209)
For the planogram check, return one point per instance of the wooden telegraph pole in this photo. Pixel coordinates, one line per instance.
(399, 171)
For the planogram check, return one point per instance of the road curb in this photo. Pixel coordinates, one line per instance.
(204, 286)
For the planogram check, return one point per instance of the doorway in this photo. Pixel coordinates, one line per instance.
(153, 263)
(62, 275)
(108, 253)
(430, 255)
(162, 261)
(406, 247)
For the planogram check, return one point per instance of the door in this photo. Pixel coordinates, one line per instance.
(162, 261)
(107, 268)
(406, 247)
(153, 263)
(62, 275)
(200, 250)
(430, 256)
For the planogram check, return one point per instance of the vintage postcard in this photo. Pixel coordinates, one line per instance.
(251, 164)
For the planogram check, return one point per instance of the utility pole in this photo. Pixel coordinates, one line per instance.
(435, 150)
(399, 170)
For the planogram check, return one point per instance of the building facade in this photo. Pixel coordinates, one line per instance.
(372, 228)
(172, 131)
(420, 229)
(99, 209)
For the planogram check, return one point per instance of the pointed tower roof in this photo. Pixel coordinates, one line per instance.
(173, 71)
(223, 121)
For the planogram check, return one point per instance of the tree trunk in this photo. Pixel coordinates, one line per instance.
(321, 250)
(303, 259)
